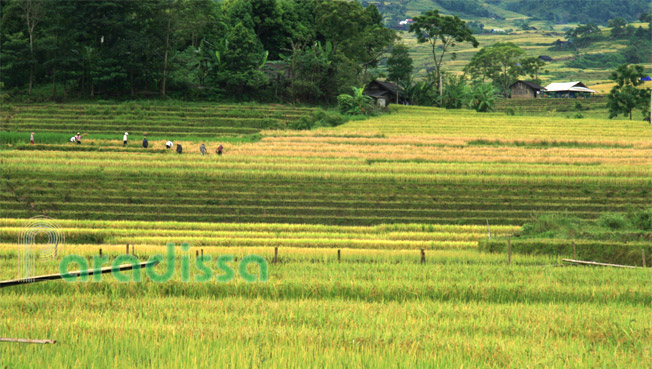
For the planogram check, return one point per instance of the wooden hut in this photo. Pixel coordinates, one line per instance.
(383, 93)
(525, 90)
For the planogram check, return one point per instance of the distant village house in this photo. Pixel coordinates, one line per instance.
(568, 90)
(531, 90)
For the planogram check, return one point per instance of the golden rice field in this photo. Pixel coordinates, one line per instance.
(377, 192)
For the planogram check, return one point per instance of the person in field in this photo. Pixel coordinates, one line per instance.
(31, 138)
(78, 138)
(145, 142)
(169, 144)
(124, 139)
(202, 148)
(219, 149)
(179, 149)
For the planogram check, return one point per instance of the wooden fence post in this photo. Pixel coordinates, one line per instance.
(133, 250)
(509, 251)
(202, 252)
(423, 256)
(100, 252)
(574, 252)
(643, 256)
(275, 255)
(196, 253)
(127, 248)
(338, 256)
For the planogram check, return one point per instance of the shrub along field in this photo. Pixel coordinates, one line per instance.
(379, 190)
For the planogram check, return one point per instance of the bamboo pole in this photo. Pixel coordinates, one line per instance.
(593, 263)
(24, 340)
(77, 273)
(643, 256)
(509, 251)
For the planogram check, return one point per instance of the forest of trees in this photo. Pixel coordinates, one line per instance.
(579, 11)
(280, 50)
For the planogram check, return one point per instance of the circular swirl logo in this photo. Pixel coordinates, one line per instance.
(39, 240)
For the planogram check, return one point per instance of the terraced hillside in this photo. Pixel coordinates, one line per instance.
(349, 211)
(366, 173)
(166, 120)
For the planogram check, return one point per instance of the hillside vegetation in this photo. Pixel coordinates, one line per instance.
(535, 33)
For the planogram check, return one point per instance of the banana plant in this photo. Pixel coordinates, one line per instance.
(222, 47)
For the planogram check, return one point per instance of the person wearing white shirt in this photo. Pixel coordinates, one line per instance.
(124, 139)
(169, 144)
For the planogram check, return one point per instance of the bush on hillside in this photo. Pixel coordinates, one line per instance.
(611, 238)
(321, 118)
(597, 61)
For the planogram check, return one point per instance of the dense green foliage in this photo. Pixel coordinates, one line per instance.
(191, 48)
(568, 11)
(357, 103)
(610, 60)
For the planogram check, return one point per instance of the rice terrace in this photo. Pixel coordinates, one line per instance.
(301, 222)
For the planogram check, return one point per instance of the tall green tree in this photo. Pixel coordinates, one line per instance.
(617, 26)
(532, 66)
(31, 12)
(399, 65)
(441, 32)
(583, 35)
(239, 61)
(624, 97)
(500, 62)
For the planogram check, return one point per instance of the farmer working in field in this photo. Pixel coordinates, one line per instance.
(124, 139)
(169, 144)
(219, 149)
(31, 138)
(202, 148)
(78, 138)
(145, 142)
(179, 149)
